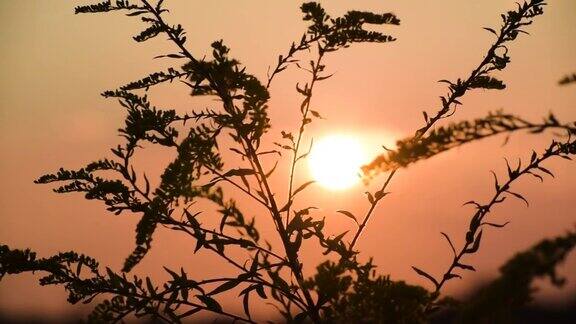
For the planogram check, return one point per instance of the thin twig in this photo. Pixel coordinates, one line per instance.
(369, 213)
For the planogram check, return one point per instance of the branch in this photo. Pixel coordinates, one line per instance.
(492, 61)
(455, 135)
(66, 269)
(285, 60)
(379, 195)
(474, 234)
(479, 77)
(304, 109)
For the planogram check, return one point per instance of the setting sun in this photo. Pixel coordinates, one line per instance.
(335, 161)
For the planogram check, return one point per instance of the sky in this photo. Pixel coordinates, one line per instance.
(54, 65)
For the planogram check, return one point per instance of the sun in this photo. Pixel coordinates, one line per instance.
(335, 161)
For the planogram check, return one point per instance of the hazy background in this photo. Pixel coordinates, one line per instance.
(54, 65)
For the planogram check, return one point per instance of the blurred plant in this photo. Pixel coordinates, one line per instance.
(499, 300)
(343, 289)
(568, 79)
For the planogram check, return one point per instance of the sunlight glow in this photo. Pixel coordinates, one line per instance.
(335, 161)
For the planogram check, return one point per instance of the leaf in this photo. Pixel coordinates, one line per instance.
(150, 32)
(174, 275)
(246, 304)
(226, 286)
(260, 291)
(150, 286)
(494, 224)
(237, 151)
(533, 157)
(348, 214)
(449, 276)
(316, 114)
(262, 195)
(79, 267)
(465, 266)
(192, 218)
(269, 173)
(223, 221)
(184, 293)
(490, 30)
(147, 188)
(340, 236)
(177, 56)
(546, 171)
(137, 13)
(380, 194)
(254, 265)
(472, 202)
(449, 242)
(210, 303)
(568, 79)
(425, 275)
(519, 196)
(486, 82)
(300, 317)
(285, 208)
(239, 172)
(320, 78)
(245, 181)
(476, 244)
(496, 185)
(536, 176)
(279, 281)
(297, 242)
(370, 197)
(302, 187)
(200, 241)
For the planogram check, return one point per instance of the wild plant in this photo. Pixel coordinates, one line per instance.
(343, 289)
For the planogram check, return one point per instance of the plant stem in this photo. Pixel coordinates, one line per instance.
(369, 213)
(485, 209)
(290, 253)
(306, 104)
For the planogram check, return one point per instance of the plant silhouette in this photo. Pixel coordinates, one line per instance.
(343, 289)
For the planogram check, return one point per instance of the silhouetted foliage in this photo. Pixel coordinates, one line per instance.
(343, 288)
(362, 297)
(453, 135)
(568, 79)
(500, 300)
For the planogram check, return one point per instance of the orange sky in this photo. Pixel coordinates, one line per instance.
(55, 64)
